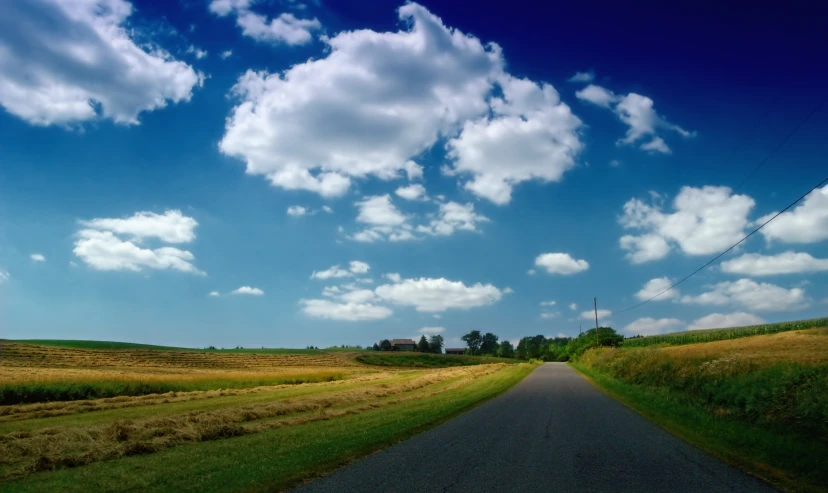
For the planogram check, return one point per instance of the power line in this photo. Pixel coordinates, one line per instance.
(717, 257)
(764, 161)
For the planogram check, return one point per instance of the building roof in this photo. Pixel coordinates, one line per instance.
(394, 342)
(455, 349)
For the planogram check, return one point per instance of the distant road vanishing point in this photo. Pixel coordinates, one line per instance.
(551, 432)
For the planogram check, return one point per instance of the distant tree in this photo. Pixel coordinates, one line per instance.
(506, 350)
(521, 350)
(473, 340)
(488, 344)
(376, 347)
(435, 344)
(385, 345)
(422, 346)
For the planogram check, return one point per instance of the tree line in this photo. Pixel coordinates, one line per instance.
(537, 347)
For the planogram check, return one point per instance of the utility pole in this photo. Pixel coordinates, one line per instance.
(595, 305)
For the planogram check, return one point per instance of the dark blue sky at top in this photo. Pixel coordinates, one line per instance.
(741, 76)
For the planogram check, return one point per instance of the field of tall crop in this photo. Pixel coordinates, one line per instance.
(126, 419)
(756, 401)
(711, 335)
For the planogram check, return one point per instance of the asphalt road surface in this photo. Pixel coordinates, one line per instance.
(551, 432)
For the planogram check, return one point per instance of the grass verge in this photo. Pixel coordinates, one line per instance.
(32, 392)
(275, 459)
(785, 459)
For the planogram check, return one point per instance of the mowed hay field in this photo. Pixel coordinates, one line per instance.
(760, 402)
(306, 414)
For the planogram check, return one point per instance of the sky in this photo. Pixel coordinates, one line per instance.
(292, 173)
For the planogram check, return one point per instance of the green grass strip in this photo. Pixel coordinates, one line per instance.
(787, 460)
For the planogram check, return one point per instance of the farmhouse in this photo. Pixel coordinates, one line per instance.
(403, 344)
(455, 350)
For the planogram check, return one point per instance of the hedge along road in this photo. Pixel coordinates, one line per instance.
(551, 432)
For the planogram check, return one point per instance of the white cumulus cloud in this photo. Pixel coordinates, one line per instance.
(560, 263)
(726, 320)
(451, 217)
(638, 113)
(358, 267)
(437, 295)
(432, 330)
(752, 295)
(704, 221)
(248, 290)
(805, 223)
(284, 29)
(65, 62)
(344, 311)
(582, 77)
(590, 315)
(656, 286)
(170, 227)
(333, 272)
(37, 257)
(755, 264)
(415, 191)
(650, 326)
(213, 293)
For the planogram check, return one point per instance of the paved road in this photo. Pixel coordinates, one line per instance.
(551, 432)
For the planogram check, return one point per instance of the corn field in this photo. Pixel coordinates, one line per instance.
(710, 335)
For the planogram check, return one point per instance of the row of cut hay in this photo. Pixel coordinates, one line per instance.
(64, 408)
(51, 356)
(24, 452)
(130, 385)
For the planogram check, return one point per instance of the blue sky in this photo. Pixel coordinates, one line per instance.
(295, 173)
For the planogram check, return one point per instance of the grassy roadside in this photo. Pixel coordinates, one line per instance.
(787, 460)
(277, 458)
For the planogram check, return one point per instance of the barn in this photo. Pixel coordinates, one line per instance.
(455, 350)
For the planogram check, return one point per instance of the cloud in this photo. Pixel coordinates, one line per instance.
(357, 296)
(378, 99)
(752, 295)
(805, 223)
(723, 321)
(296, 211)
(358, 267)
(344, 311)
(531, 272)
(656, 286)
(170, 227)
(67, 62)
(549, 314)
(378, 210)
(432, 330)
(102, 250)
(597, 95)
(649, 326)
(393, 277)
(704, 221)
(197, 52)
(4, 276)
(531, 135)
(452, 217)
(327, 209)
(615, 163)
(590, 315)
(333, 272)
(754, 264)
(437, 295)
(573, 306)
(224, 55)
(37, 257)
(548, 303)
(582, 77)
(284, 29)
(248, 290)
(637, 112)
(560, 263)
(412, 192)
(213, 293)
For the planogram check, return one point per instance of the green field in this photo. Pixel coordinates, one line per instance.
(758, 402)
(255, 441)
(426, 360)
(710, 335)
